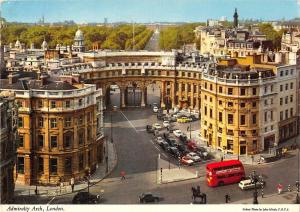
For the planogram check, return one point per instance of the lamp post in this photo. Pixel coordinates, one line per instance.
(255, 179)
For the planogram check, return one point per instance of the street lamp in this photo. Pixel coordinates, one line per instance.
(255, 179)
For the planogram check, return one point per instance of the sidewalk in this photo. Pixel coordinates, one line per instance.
(168, 172)
(96, 177)
(284, 198)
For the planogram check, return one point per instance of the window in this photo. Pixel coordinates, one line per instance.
(230, 91)
(254, 91)
(266, 116)
(254, 144)
(41, 122)
(220, 102)
(286, 87)
(205, 97)
(281, 87)
(205, 110)
(41, 165)
(272, 128)
(21, 141)
(266, 102)
(80, 102)
(243, 104)
(292, 71)
(281, 73)
(266, 129)
(253, 118)
(291, 98)
(20, 165)
(210, 113)
(53, 104)
(230, 132)
(266, 89)
(243, 119)
(210, 87)
(53, 141)
(53, 166)
(81, 137)
(271, 88)
(230, 104)
(67, 140)
(20, 122)
(243, 91)
(230, 118)
(271, 112)
(253, 104)
(68, 104)
(281, 101)
(41, 140)
(53, 123)
(68, 121)
(253, 132)
(291, 112)
(281, 115)
(40, 103)
(286, 72)
(80, 161)
(220, 116)
(210, 99)
(220, 130)
(286, 114)
(205, 85)
(286, 99)
(68, 164)
(80, 120)
(291, 85)
(271, 101)
(220, 89)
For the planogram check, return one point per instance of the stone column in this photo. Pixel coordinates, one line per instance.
(173, 94)
(162, 96)
(180, 93)
(192, 96)
(143, 97)
(122, 96)
(197, 98)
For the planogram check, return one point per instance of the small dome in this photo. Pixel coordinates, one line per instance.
(79, 35)
(17, 44)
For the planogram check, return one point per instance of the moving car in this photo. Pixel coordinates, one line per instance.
(177, 133)
(165, 146)
(174, 152)
(156, 126)
(148, 197)
(166, 123)
(186, 161)
(149, 129)
(193, 156)
(85, 198)
(183, 119)
(202, 152)
(247, 184)
(159, 140)
(155, 109)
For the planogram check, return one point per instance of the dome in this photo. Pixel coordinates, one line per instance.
(17, 44)
(79, 35)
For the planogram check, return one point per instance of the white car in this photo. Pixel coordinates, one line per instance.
(193, 156)
(177, 133)
(157, 126)
(247, 184)
(155, 109)
(166, 123)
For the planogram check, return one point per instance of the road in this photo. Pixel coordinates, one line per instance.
(153, 43)
(137, 157)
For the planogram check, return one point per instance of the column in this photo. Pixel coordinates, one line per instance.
(143, 97)
(173, 94)
(162, 96)
(192, 96)
(122, 95)
(197, 98)
(186, 91)
(180, 93)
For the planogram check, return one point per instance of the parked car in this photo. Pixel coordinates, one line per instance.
(170, 129)
(193, 156)
(148, 197)
(160, 116)
(174, 152)
(177, 133)
(165, 146)
(183, 138)
(186, 161)
(184, 119)
(159, 140)
(171, 142)
(155, 109)
(192, 146)
(202, 152)
(166, 123)
(248, 184)
(194, 118)
(157, 126)
(149, 129)
(181, 147)
(83, 197)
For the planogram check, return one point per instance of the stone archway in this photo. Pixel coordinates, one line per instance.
(153, 93)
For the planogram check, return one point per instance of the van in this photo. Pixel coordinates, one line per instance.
(248, 184)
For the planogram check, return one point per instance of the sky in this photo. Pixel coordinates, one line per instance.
(141, 11)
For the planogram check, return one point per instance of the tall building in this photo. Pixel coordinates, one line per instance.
(78, 45)
(249, 105)
(235, 19)
(60, 127)
(8, 137)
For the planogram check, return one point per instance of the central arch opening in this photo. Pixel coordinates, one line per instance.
(153, 94)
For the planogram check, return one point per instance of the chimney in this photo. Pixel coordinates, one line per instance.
(12, 78)
(44, 77)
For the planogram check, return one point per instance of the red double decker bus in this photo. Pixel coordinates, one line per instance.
(225, 172)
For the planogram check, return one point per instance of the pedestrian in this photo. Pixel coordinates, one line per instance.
(227, 198)
(72, 184)
(122, 175)
(279, 188)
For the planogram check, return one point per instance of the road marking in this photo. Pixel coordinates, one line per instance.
(129, 121)
(164, 154)
(141, 130)
(51, 200)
